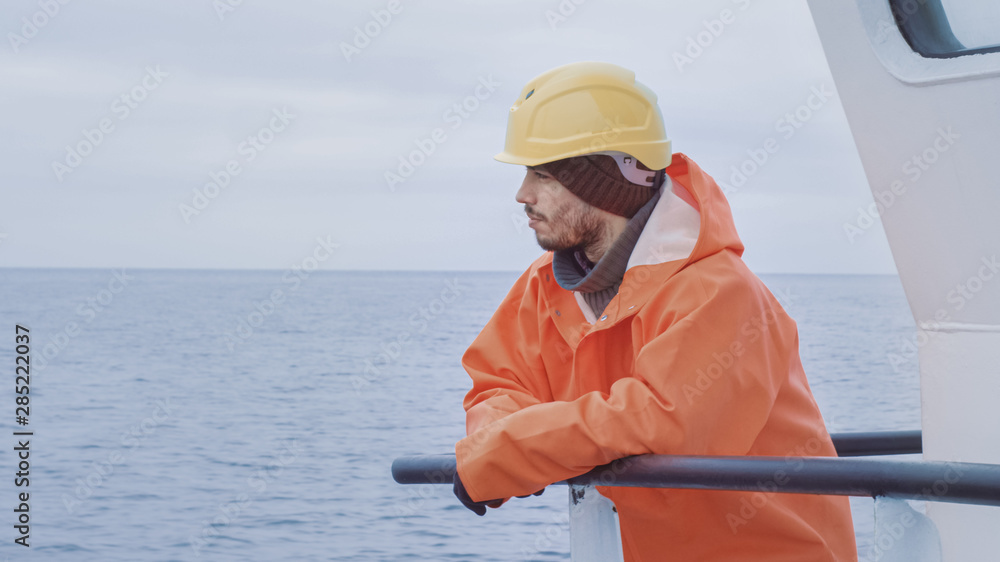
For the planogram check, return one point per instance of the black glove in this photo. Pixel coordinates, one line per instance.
(463, 496)
(538, 493)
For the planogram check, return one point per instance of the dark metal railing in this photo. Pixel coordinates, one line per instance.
(922, 480)
(878, 443)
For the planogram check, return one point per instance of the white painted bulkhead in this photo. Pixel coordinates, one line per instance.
(928, 133)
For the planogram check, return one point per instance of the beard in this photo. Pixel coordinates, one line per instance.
(573, 225)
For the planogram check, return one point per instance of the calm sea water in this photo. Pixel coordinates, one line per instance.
(201, 415)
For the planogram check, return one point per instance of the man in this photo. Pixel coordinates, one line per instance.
(639, 331)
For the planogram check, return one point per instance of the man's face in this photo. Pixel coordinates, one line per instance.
(560, 219)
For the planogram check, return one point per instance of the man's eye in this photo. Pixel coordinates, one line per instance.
(541, 176)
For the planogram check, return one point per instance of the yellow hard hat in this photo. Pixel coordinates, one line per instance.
(583, 108)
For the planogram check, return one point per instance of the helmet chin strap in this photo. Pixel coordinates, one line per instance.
(629, 166)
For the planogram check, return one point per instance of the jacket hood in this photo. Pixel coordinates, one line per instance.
(691, 221)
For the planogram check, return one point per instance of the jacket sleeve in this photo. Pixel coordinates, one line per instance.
(506, 378)
(704, 382)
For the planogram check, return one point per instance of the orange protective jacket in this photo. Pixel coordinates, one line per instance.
(694, 356)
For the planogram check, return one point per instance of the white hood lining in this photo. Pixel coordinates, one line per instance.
(671, 231)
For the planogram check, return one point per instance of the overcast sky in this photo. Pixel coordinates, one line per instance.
(310, 104)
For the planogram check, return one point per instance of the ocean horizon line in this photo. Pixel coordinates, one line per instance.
(364, 270)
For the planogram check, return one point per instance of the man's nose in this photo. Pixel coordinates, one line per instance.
(526, 193)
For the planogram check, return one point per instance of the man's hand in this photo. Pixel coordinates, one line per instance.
(479, 508)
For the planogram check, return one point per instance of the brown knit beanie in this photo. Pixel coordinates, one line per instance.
(596, 179)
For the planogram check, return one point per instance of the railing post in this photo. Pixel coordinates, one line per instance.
(594, 532)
